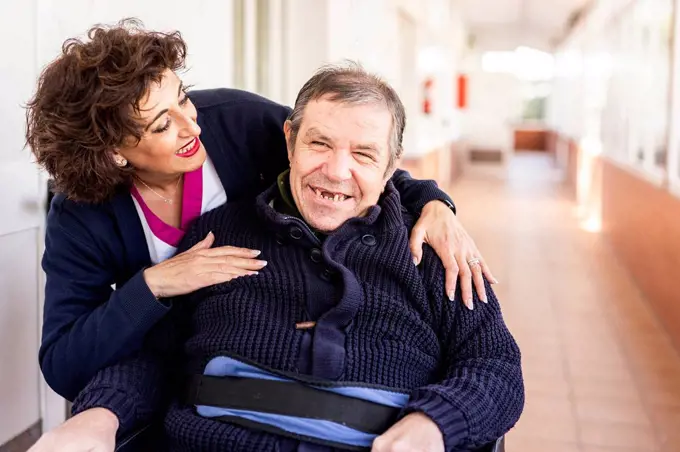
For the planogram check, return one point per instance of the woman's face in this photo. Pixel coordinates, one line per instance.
(170, 145)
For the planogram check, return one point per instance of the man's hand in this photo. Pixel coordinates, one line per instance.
(439, 227)
(414, 433)
(93, 430)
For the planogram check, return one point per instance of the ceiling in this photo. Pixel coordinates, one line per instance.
(506, 24)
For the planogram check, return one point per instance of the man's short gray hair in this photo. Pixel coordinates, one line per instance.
(350, 83)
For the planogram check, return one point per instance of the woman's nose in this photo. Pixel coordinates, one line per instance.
(190, 125)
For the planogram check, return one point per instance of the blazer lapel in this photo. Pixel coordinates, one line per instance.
(131, 234)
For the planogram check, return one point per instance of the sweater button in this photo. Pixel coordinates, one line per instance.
(369, 240)
(326, 275)
(296, 233)
(316, 255)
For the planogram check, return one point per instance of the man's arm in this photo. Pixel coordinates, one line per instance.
(481, 393)
(415, 193)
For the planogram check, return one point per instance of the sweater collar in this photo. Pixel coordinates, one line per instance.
(285, 202)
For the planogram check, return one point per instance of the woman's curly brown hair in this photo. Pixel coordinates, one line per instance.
(86, 103)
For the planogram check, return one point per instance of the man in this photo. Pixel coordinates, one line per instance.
(340, 342)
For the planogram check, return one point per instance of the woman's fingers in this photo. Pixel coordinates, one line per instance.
(478, 279)
(200, 267)
(230, 264)
(230, 251)
(205, 243)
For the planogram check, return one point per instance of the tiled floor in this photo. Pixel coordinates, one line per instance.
(601, 375)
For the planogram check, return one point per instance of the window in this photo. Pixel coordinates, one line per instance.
(534, 68)
(535, 98)
(635, 118)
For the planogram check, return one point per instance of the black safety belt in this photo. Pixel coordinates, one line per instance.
(290, 398)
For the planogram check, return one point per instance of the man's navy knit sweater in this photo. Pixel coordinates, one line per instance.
(379, 320)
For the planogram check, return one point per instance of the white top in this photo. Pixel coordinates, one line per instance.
(163, 239)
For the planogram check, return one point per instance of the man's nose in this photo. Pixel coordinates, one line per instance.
(338, 165)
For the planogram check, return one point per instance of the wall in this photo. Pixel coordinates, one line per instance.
(494, 106)
(19, 230)
(642, 223)
(207, 30)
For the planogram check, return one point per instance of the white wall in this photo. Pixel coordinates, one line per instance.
(205, 24)
(306, 43)
(22, 218)
(493, 110)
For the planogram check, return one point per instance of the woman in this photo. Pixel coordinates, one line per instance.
(113, 125)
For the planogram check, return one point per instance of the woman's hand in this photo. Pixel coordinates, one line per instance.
(201, 266)
(93, 430)
(439, 227)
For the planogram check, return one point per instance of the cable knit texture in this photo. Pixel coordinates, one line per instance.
(379, 320)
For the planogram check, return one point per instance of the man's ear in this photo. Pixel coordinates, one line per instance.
(390, 171)
(287, 130)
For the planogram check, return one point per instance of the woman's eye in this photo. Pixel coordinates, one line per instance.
(163, 128)
(184, 101)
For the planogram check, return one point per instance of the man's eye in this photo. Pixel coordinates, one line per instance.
(319, 143)
(365, 156)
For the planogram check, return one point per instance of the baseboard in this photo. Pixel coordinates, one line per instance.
(24, 440)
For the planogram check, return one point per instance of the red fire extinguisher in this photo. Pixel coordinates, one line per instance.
(462, 91)
(427, 96)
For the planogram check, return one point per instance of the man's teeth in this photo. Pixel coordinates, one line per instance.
(335, 198)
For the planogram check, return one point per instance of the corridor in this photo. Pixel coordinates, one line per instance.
(601, 374)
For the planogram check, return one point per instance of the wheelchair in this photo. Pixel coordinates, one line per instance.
(146, 439)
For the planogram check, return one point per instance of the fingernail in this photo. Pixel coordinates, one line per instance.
(415, 260)
(485, 300)
(263, 263)
(452, 295)
(254, 273)
(255, 252)
(495, 281)
(470, 305)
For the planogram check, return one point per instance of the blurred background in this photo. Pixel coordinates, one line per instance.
(553, 124)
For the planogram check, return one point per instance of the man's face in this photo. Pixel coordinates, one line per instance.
(338, 166)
